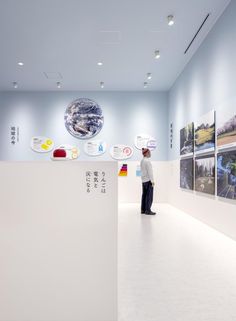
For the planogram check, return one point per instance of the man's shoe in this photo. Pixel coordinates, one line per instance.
(143, 213)
(150, 213)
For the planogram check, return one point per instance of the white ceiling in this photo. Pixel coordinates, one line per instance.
(69, 37)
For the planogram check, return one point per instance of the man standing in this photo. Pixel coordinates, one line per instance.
(147, 183)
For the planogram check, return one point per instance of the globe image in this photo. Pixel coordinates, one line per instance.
(83, 118)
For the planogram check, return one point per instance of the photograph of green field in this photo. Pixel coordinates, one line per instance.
(226, 131)
(205, 133)
(205, 174)
(186, 140)
(226, 175)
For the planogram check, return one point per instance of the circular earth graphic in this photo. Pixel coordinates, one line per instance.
(83, 118)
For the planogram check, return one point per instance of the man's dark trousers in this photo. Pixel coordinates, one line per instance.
(147, 197)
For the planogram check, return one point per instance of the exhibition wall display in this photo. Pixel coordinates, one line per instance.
(92, 122)
(59, 241)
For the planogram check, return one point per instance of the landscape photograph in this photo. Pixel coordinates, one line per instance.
(186, 173)
(186, 140)
(205, 174)
(226, 129)
(226, 175)
(205, 133)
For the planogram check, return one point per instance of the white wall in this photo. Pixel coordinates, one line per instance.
(130, 187)
(207, 83)
(58, 243)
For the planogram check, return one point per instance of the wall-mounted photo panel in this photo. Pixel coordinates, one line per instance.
(186, 173)
(41, 144)
(205, 174)
(121, 152)
(65, 152)
(187, 140)
(226, 129)
(95, 147)
(205, 133)
(145, 141)
(83, 118)
(226, 175)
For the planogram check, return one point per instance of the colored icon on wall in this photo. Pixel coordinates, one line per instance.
(138, 171)
(65, 152)
(83, 118)
(145, 141)
(95, 147)
(120, 152)
(124, 170)
(41, 144)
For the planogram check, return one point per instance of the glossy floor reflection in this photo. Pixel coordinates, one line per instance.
(174, 268)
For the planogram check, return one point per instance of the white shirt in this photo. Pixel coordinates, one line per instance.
(146, 170)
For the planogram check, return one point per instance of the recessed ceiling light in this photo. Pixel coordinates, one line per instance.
(170, 20)
(149, 75)
(102, 84)
(15, 84)
(58, 85)
(100, 63)
(145, 84)
(20, 63)
(157, 54)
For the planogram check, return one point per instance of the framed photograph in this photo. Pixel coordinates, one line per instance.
(205, 174)
(187, 140)
(205, 133)
(226, 175)
(226, 129)
(186, 173)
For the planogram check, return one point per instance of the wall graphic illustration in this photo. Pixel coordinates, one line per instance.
(83, 118)
(120, 152)
(145, 141)
(41, 144)
(95, 147)
(124, 170)
(65, 152)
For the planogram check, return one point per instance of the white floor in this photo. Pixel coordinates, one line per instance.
(174, 268)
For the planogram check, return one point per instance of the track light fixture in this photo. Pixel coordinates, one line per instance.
(170, 20)
(157, 54)
(149, 76)
(102, 84)
(145, 84)
(58, 85)
(15, 84)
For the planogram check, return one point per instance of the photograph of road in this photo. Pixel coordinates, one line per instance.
(205, 133)
(186, 173)
(226, 129)
(226, 175)
(186, 140)
(205, 174)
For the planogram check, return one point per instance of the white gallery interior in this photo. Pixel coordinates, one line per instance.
(83, 87)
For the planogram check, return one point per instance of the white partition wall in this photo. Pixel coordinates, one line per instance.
(58, 241)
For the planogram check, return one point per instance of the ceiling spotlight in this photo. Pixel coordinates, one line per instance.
(157, 54)
(58, 85)
(149, 75)
(15, 84)
(170, 20)
(145, 84)
(100, 63)
(102, 84)
(20, 63)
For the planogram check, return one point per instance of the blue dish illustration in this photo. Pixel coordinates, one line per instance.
(83, 118)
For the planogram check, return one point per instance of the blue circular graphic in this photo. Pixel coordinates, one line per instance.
(83, 118)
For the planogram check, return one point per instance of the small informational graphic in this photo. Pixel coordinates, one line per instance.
(121, 152)
(95, 147)
(96, 182)
(187, 140)
(186, 173)
(83, 118)
(124, 170)
(41, 144)
(65, 152)
(226, 129)
(226, 175)
(205, 133)
(205, 174)
(138, 171)
(145, 141)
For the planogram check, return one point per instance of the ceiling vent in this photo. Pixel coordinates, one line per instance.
(53, 75)
(195, 36)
